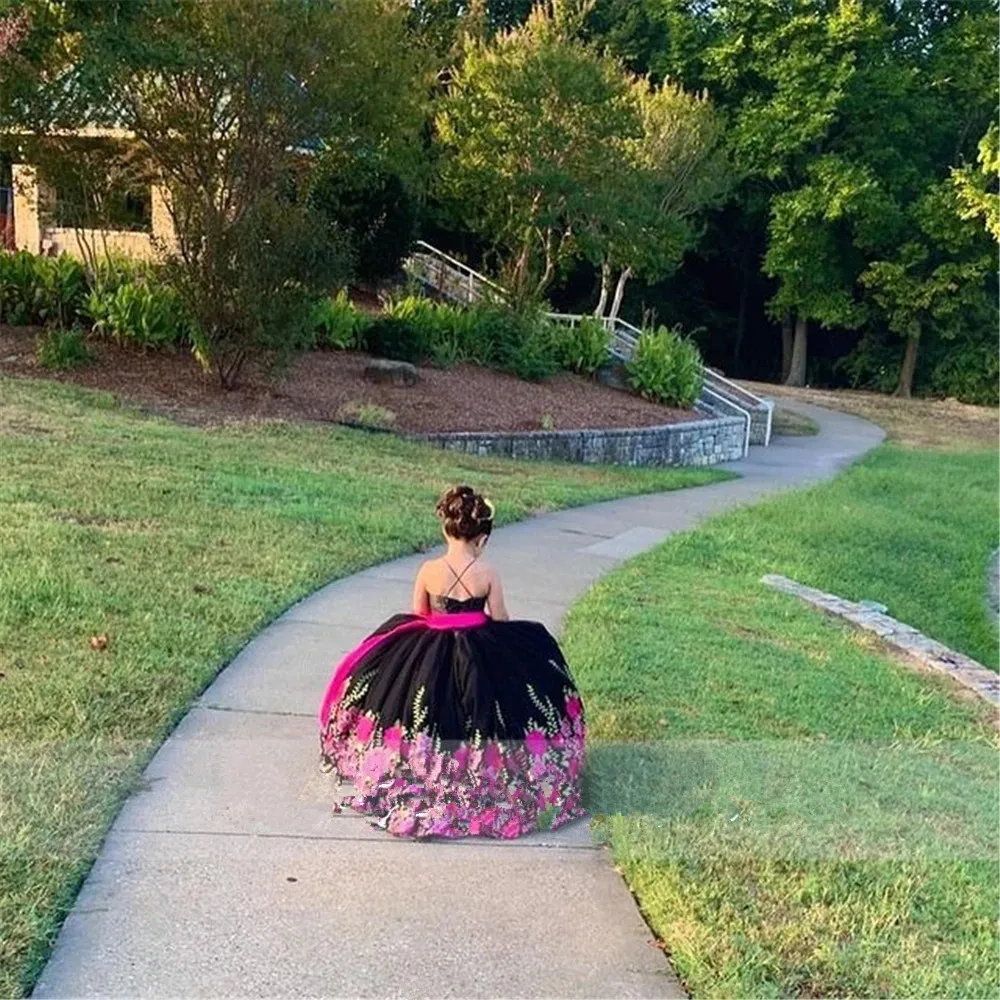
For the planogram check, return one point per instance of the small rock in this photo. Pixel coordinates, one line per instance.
(384, 372)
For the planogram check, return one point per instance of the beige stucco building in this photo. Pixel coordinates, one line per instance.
(35, 231)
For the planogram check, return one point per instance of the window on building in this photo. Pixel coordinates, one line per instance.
(79, 205)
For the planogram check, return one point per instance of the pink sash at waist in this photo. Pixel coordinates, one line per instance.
(436, 621)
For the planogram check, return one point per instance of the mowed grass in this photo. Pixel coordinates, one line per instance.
(797, 813)
(175, 545)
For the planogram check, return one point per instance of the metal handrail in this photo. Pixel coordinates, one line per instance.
(729, 383)
(464, 268)
(735, 406)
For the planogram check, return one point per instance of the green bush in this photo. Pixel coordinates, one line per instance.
(516, 341)
(40, 290)
(63, 350)
(428, 320)
(528, 349)
(139, 314)
(415, 329)
(338, 324)
(116, 269)
(965, 369)
(666, 368)
(17, 288)
(62, 284)
(582, 348)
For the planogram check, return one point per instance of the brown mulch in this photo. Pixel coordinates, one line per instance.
(318, 384)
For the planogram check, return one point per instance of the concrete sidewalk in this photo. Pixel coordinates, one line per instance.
(228, 875)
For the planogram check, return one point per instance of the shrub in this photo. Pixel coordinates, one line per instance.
(967, 369)
(115, 269)
(17, 288)
(63, 350)
(527, 346)
(252, 284)
(36, 290)
(518, 341)
(62, 284)
(413, 329)
(666, 368)
(338, 324)
(139, 313)
(582, 348)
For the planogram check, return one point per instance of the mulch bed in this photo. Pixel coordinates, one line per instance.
(466, 398)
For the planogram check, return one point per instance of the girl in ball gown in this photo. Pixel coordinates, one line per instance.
(454, 721)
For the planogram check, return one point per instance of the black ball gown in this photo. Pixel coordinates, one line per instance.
(452, 724)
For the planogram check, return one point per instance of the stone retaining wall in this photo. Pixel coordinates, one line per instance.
(696, 442)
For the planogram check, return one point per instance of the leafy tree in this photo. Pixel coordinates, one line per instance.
(236, 105)
(934, 281)
(532, 124)
(671, 172)
(556, 151)
(977, 186)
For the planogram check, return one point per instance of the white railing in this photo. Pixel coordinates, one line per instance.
(730, 389)
(450, 276)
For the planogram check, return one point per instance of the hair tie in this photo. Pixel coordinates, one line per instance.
(490, 507)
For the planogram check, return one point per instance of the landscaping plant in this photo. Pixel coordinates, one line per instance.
(337, 324)
(666, 368)
(63, 350)
(139, 313)
(37, 290)
(583, 347)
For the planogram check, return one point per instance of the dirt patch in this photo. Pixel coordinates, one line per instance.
(318, 385)
(922, 423)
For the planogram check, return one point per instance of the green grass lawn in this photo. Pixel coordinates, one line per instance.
(798, 814)
(177, 544)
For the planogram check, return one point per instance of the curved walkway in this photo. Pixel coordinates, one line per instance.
(228, 876)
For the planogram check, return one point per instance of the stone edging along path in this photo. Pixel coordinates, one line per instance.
(900, 637)
(228, 875)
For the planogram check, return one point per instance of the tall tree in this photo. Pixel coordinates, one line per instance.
(670, 173)
(532, 124)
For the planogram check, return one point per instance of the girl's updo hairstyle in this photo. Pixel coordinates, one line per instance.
(466, 514)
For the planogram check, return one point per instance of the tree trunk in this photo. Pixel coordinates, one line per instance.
(619, 293)
(908, 368)
(787, 325)
(797, 365)
(605, 288)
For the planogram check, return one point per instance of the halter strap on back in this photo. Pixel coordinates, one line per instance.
(458, 578)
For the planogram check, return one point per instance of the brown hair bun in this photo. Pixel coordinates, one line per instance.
(466, 514)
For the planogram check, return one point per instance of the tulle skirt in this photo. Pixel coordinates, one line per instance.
(455, 725)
